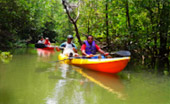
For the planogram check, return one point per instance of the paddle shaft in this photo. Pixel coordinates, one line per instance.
(70, 58)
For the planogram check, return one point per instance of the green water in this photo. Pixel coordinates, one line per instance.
(32, 77)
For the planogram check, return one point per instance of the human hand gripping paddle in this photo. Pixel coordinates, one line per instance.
(89, 56)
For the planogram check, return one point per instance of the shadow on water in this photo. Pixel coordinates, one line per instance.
(159, 65)
(163, 65)
(153, 64)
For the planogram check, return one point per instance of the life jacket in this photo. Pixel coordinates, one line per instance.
(68, 48)
(90, 49)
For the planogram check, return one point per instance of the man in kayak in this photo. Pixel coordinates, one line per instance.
(68, 47)
(89, 48)
(42, 40)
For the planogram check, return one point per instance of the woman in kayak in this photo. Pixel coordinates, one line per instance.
(89, 48)
(68, 47)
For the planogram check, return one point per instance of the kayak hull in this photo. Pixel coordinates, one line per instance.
(50, 48)
(45, 47)
(108, 65)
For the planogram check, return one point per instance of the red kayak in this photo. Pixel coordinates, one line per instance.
(46, 47)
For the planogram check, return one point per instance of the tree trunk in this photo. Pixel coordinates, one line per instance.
(163, 33)
(128, 22)
(77, 33)
(127, 15)
(73, 21)
(88, 27)
(107, 25)
(164, 27)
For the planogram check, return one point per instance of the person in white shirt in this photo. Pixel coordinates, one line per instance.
(42, 40)
(69, 48)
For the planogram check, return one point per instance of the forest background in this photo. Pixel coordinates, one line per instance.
(140, 26)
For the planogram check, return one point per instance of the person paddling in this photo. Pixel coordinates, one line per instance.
(47, 42)
(42, 40)
(68, 47)
(90, 48)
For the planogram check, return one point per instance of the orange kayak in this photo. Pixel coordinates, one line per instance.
(108, 65)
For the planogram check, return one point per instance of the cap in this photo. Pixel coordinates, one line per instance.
(70, 36)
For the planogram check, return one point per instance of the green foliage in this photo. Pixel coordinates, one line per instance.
(31, 45)
(26, 20)
(5, 57)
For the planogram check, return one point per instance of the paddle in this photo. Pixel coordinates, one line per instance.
(121, 53)
(62, 60)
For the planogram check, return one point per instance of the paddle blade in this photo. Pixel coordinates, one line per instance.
(122, 53)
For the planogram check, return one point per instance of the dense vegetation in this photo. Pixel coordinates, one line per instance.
(141, 26)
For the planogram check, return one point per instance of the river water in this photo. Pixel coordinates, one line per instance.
(33, 77)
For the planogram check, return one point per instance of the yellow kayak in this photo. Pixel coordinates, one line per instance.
(108, 65)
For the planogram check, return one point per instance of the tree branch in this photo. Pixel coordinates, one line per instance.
(65, 7)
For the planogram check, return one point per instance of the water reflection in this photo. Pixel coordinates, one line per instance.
(65, 91)
(75, 85)
(110, 82)
(27, 81)
(44, 52)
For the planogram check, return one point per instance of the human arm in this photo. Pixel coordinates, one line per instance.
(101, 51)
(74, 48)
(62, 46)
(83, 50)
(83, 47)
